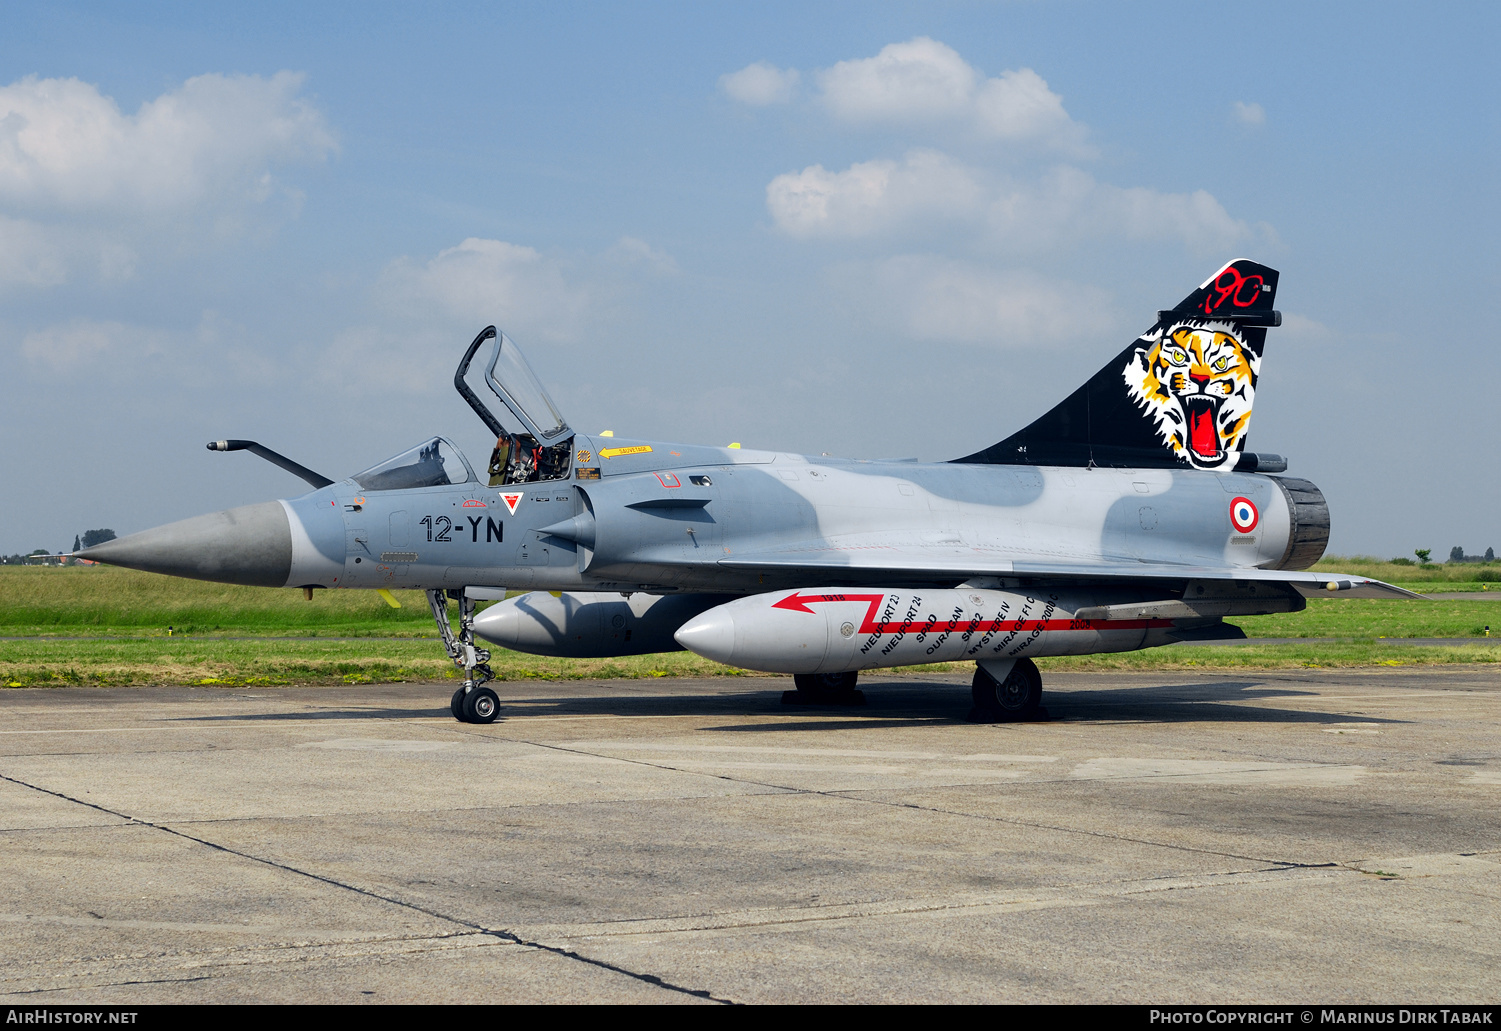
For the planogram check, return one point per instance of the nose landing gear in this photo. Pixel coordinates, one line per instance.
(472, 703)
(481, 705)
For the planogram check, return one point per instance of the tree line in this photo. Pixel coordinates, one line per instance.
(1456, 554)
(41, 556)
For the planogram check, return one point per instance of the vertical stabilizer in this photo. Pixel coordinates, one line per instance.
(1178, 395)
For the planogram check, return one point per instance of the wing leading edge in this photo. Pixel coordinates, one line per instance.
(827, 562)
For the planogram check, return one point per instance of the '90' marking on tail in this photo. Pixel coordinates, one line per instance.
(1241, 290)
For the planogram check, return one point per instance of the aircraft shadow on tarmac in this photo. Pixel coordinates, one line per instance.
(893, 703)
(1214, 702)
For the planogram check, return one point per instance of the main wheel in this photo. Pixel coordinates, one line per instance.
(1015, 698)
(826, 687)
(456, 706)
(481, 705)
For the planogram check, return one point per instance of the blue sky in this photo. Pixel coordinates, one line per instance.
(906, 230)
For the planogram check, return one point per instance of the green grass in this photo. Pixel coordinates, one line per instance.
(1445, 586)
(1314, 655)
(1457, 576)
(99, 600)
(48, 662)
(1373, 618)
(125, 614)
(106, 600)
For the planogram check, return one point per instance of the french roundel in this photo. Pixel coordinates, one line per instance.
(1243, 515)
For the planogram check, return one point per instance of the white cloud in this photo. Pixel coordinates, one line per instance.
(919, 79)
(427, 308)
(29, 256)
(34, 254)
(872, 196)
(550, 303)
(1249, 114)
(1069, 204)
(1018, 105)
(81, 344)
(65, 145)
(761, 84)
(86, 189)
(933, 298)
(927, 187)
(923, 80)
(491, 281)
(632, 253)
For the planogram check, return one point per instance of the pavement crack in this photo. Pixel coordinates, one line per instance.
(502, 934)
(105, 984)
(667, 768)
(1039, 825)
(651, 979)
(842, 796)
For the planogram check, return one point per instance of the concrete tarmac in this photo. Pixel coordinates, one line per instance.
(1301, 837)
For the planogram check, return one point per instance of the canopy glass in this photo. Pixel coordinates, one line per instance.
(436, 463)
(513, 381)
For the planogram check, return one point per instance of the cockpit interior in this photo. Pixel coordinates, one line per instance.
(532, 440)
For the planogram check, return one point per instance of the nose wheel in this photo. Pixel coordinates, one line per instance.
(473, 702)
(481, 706)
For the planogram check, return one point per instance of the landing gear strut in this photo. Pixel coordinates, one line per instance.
(824, 689)
(1007, 695)
(472, 703)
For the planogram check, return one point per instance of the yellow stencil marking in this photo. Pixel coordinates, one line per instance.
(611, 452)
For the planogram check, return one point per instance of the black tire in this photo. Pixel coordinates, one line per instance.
(481, 705)
(1018, 697)
(456, 706)
(826, 687)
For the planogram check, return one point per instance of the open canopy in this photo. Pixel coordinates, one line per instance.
(521, 394)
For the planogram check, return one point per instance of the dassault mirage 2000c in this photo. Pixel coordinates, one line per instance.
(1131, 515)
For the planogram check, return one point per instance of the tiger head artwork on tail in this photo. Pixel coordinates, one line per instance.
(1197, 382)
(1178, 396)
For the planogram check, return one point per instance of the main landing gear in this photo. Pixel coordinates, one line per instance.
(1007, 695)
(824, 689)
(472, 703)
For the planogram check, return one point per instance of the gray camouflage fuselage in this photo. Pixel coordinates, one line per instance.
(1129, 515)
(765, 520)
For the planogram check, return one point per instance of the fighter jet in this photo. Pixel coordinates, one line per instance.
(1131, 515)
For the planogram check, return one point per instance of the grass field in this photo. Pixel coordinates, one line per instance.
(43, 662)
(1372, 618)
(124, 617)
(49, 662)
(105, 600)
(1458, 576)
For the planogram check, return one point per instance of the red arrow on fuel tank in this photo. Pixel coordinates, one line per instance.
(795, 602)
(799, 602)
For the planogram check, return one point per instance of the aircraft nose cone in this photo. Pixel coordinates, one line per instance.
(249, 545)
(710, 634)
